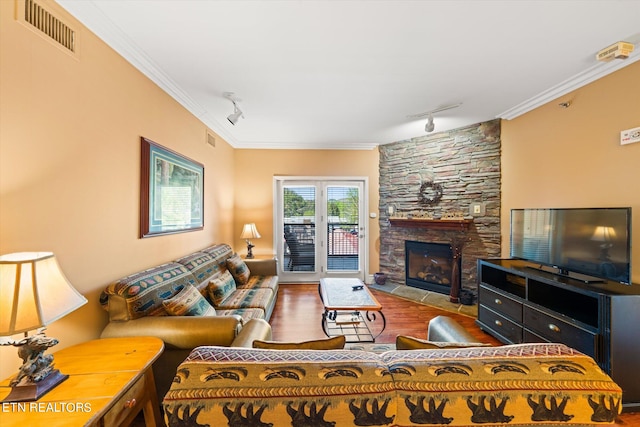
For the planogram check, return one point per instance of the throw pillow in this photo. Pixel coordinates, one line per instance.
(188, 302)
(238, 269)
(334, 343)
(220, 287)
(411, 343)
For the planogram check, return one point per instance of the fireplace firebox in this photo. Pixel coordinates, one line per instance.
(430, 266)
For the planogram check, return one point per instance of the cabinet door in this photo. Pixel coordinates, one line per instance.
(501, 303)
(555, 329)
(499, 325)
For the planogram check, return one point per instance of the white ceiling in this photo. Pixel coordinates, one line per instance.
(346, 74)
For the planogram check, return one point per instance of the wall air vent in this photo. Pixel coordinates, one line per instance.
(41, 19)
(211, 140)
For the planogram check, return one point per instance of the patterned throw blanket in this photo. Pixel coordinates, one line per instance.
(517, 385)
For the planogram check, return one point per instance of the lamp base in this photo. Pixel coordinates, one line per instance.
(30, 391)
(249, 250)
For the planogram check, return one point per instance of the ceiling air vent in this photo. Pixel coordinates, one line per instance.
(44, 21)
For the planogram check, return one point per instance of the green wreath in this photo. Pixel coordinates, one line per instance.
(430, 193)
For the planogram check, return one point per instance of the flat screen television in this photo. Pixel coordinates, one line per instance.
(592, 244)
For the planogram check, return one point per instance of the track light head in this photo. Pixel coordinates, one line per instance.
(430, 126)
(237, 113)
(235, 116)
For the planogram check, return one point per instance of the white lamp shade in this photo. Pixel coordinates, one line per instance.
(249, 231)
(33, 292)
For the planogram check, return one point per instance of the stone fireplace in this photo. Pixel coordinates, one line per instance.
(429, 266)
(433, 257)
(465, 163)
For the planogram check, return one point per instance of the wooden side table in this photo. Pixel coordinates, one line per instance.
(259, 258)
(262, 264)
(110, 382)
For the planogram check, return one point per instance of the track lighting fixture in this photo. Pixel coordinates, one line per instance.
(430, 125)
(235, 116)
(237, 113)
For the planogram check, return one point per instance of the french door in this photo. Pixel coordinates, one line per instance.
(320, 228)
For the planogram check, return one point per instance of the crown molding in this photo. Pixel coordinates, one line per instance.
(111, 34)
(577, 81)
(307, 146)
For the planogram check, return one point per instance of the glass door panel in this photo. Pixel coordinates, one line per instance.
(343, 228)
(299, 226)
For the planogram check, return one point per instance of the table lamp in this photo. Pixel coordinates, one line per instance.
(33, 293)
(249, 231)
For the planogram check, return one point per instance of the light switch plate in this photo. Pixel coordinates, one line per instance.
(477, 209)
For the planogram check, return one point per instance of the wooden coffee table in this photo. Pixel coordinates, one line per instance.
(350, 309)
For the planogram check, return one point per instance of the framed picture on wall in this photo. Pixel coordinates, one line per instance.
(171, 191)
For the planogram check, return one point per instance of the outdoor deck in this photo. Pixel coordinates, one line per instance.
(342, 247)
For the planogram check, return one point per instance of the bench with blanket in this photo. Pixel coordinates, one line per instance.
(514, 385)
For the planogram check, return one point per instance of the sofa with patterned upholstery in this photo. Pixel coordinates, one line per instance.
(209, 297)
(514, 385)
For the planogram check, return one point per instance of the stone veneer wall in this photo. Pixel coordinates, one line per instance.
(466, 162)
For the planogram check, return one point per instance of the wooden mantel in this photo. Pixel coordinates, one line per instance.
(435, 224)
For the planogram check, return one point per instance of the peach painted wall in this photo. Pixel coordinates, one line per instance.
(254, 173)
(70, 165)
(572, 157)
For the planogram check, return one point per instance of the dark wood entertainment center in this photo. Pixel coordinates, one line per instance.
(519, 303)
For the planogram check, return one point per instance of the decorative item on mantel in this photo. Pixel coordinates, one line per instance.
(410, 215)
(455, 215)
(452, 215)
(35, 293)
(449, 223)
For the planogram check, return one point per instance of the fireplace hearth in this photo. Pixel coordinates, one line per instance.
(430, 266)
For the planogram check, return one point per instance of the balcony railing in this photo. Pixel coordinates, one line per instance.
(342, 246)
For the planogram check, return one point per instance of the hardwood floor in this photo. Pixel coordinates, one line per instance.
(298, 313)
